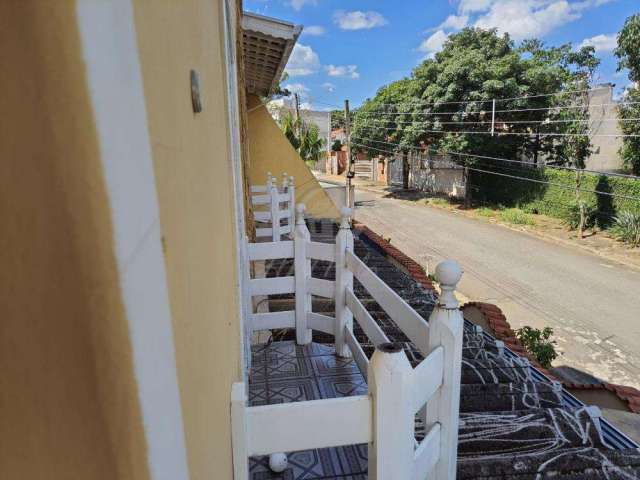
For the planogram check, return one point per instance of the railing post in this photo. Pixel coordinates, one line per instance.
(445, 329)
(269, 181)
(275, 213)
(285, 182)
(239, 431)
(389, 379)
(292, 205)
(344, 282)
(302, 271)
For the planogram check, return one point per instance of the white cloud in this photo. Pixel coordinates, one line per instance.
(342, 71)
(329, 87)
(434, 43)
(358, 20)
(298, 4)
(527, 18)
(455, 22)
(520, 18)
(314, 30)
(602, 43)
(303, 61)
(471, 6)
(306, 106)
(298, 88)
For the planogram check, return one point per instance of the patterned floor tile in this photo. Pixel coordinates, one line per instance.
(292, 390)
(258, 394)
(288, 368)
(350, 460)
(332, 365)
(342, 386)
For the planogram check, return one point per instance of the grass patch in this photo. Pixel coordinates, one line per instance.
(485, 212)
(516, 217)
(440, 202)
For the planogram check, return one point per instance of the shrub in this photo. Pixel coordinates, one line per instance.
(539, 344)
(571, 216)
(627, 227)
(516, 216)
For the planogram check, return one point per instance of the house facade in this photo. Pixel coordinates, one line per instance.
(133, 140)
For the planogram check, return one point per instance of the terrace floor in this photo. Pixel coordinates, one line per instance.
(283, 372)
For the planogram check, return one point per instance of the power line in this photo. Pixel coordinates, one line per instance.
(555, 107)
(485, 157)
(504, 99)
(560, 185)
(488, 122)
(534, 134)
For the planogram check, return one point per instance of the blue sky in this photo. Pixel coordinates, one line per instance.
(349, 49)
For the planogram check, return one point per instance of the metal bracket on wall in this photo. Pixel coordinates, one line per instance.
(196, 102)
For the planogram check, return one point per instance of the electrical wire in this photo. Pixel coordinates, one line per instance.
(504, 99)
(536, 134)
(560, 185)
(485, 157)
(556, 107)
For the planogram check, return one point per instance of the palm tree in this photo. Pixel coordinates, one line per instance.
(304, 138)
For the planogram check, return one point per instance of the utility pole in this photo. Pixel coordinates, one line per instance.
(297, 100)
(347, 131)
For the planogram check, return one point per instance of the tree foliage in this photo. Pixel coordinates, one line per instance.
(446, 103)
(304, 137)
(628, 53)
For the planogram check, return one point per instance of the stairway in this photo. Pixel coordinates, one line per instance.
(514, 423)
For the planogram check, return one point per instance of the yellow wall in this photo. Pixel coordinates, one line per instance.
(194, 181)
(270, 151)
(68, 398)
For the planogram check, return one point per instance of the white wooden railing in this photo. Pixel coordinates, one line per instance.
(385, 417)
(266, 201)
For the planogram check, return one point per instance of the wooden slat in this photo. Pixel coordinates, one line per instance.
(258, 188)
(285, 229)
(321, 287)
(427, 454)
(269, 320)
(322, 323)
(321, 251)
(409, 321)
(358, 354)
(262, 216)
(272, 286)
(365, 320)
(307, 425)
(427, 378)
(261, 199)
(263, 232)
(270, 250)
(284, 197)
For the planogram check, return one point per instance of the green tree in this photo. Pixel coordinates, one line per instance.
(304, 138)
(628, 53)
(446, 103)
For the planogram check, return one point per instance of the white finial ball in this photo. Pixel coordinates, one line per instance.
(448, 272)
(300, 208)
(278, 462)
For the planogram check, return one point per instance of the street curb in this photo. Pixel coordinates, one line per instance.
(534, 233)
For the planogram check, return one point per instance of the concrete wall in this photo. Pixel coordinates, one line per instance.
(83, 297)
(194, 169)
(430, 174)
(605, 157)
(270, 151)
